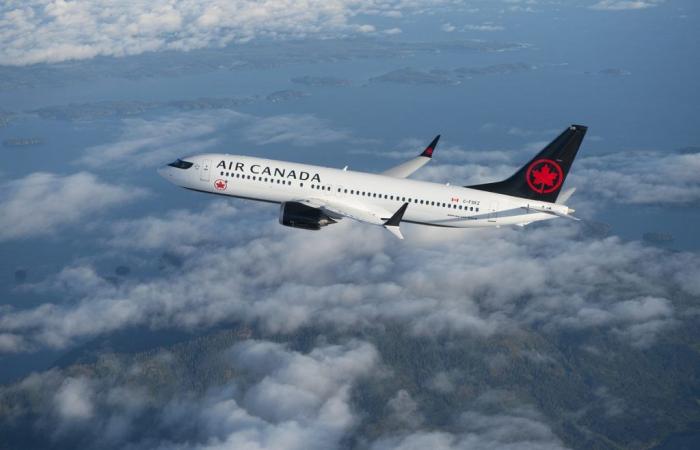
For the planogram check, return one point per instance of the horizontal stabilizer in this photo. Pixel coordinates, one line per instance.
(553, 211)
(565, 196)
(395, 221)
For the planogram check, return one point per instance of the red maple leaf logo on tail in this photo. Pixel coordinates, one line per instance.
(544, 176)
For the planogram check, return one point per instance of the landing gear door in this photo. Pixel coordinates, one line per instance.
(204, 170)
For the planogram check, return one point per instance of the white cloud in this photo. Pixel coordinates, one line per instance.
(404, 410)
(298, 401)
(442, 382)
(622, 5)
(152, 142)
(295, 129)
(180, 230)
(73, 400)
(483, 27)
(258, 394)
(272, 398)
(10, 343)
(520, 429)
(148, 143)
(356, 277)
(49, 31)
(642, 177)
(40, 203)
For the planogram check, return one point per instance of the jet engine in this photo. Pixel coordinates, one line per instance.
(299, 215)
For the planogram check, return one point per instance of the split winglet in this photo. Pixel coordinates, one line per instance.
(394, 222)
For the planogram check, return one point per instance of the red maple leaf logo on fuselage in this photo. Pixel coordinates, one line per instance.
(220, 185)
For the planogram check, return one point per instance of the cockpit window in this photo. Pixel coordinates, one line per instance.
(180, 164)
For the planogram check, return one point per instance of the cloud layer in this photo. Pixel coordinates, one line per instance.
(623, 5)
(253, 394)
(270, 397)
(40, 203)
(355, 277)
(49, 31)
(146, 143)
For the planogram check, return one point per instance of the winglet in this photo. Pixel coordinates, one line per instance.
(395, 221)
(430, 148)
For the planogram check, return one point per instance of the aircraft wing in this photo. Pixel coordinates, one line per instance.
(373, 215)
(410, 166)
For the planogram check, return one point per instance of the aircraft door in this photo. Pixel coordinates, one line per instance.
(204, 170)
(493, 214)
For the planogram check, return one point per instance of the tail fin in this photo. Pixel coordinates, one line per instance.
(542, 177)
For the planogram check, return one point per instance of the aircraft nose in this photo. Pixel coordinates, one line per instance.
(165, 172)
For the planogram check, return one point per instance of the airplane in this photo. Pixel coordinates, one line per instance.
(312, 197)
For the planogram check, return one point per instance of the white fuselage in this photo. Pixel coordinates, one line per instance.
(429, 203)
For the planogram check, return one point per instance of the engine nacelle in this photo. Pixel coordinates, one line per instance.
(299, 215)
